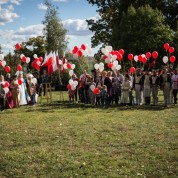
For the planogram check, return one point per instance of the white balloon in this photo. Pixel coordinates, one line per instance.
(113, 68)
(71, 82)
(60, 62)
(92, 87)
(73, 87)
(115, 63)
(27, 60)
(96, 66)
(114, 57)
(108, 48)
(6, 90)
(1, 57)
(17, 73)
(71, 72)
(101, 64)
(65, 66)
(75, 83)
(165, 59)
(21, 56)
(3, 63)
(143, 55)
(34, 81)
(118, 67)
(103, 50)
(101, 68)
(75, 56)
(73, 66)
(35, 56)
(136, 58)
(107, 60)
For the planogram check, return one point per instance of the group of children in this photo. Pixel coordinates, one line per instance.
(110, 87)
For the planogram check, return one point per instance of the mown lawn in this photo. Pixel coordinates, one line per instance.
(62, 140)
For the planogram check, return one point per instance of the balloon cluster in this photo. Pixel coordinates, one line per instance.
(170, 50)
(3, 63)
(111, 57)
(37, 62)
(79, 51)
(24, 58)
(72, 85)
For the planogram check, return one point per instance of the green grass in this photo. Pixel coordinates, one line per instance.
(61, 140)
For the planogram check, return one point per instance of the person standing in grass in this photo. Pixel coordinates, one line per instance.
(2, 96)
(126, 87)
(174, 79)
(15, 92)
(32, 93)
(165, 85)
(154, 87)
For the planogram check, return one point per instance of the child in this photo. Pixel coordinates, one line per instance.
(103, 94)
(98, 97)
(71, 96)
(32, 93)
(2, 97)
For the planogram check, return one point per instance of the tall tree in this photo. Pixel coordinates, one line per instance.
(54, 30)
(111, 14)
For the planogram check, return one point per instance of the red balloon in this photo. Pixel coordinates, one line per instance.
(0, 64)
(105, 57)
(68, 65)
(69, 87)
(148, 55)
(79, 53)
(17, 46)
(140, 58)
(110, 65)
(75, 50)
(172, 59)
(83, 47)
(121, 51)
(130, 56)
(171, 50)
(96, 91)
(24, 59)
(7, 69)
(6, 84)
(166, 46)
(119, 56)
(155, 54)
(19, 67)
(144, 60)
(19, 81)
(132, 70)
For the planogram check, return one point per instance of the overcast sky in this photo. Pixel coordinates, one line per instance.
(22, 19)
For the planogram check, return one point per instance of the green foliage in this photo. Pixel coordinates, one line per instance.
(111, 15)
(54, 30)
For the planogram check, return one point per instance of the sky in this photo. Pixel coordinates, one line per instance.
(22, 19)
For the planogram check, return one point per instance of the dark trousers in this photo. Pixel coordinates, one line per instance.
(174, 92)
(32, 99)
(2, 103)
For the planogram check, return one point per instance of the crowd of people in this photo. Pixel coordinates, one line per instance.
(99, 88)
(21, 91)
(128, 89)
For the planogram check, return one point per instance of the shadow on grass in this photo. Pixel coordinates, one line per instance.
(51, 107)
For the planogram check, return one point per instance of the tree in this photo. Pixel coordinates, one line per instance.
(54, 30)
(111, 14)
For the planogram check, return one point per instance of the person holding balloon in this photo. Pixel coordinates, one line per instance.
(15, 92)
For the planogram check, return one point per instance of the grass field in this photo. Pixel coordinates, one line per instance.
(62, 140)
